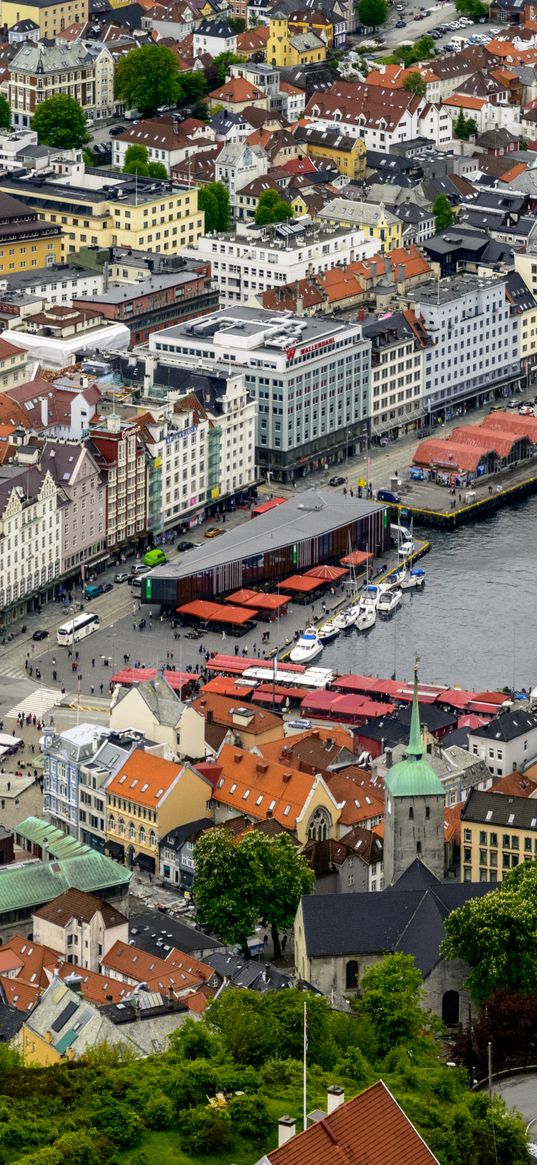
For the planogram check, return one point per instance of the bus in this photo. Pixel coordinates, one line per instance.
(77, 628)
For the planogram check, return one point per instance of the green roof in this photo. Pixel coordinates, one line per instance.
(27, 886)
(59, 844)
(65, 1041)
(413, 776)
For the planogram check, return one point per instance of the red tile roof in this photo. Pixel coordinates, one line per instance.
(144, 779)
(370, 1128)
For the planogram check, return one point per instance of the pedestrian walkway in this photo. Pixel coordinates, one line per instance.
(16, 673)
(38, 703)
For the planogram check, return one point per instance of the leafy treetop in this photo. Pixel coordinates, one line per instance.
(372, 12)
(442, 212)
(147, 78)
(61, 122)
(271, 208)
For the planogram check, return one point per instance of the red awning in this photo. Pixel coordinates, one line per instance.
(227, 686)
(261, 602)
(301, 583)
(326, 573)
(356, 558)
(237, 665)
(264, 507)
(216, 612)
(129, 676)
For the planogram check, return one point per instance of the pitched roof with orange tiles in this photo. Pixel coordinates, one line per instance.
(34, 957)
(224, 711)
(452, 823)
(237, 89)
(264, 788)
(94, 987)
(357, 797)
(22, 996)
(463, 101)
(145, 779)
(77, 904)
(515, 784)
(253, 40)
(177, 973)
(372, 1127)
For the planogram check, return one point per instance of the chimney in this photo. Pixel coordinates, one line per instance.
(335, 1096)
(44, 410)
(286, 1130)
(74, 981)
(388, 757)
(210, 715)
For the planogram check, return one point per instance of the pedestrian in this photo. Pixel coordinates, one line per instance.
(53, 662)
(92, 690)
(101, 687)
(93, 663)
(76, 654)
(284, 942)
(54, 676)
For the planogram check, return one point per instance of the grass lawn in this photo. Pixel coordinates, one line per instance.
(164, 1148)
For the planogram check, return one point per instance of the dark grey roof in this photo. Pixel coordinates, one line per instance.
(176, 838)
(129, 16)
(498, 809)
(417, 876)
(519, 292)
(219, 28)
(11, 1021)
(431, 716)
(386, 728)
(150, 926)
(410, 212)
(407, 920)
(256, 976)
(459, 737)
(507, 726)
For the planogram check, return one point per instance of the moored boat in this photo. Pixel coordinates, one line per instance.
(389, 601)
(308, 647)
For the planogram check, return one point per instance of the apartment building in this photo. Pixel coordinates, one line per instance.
(497, 833)
(473, 339)
(508, 742)
(253, 259)
(162, 298)
(120, 456)
(111, 210)
(82, 501)
(237, 165)
(82, 71)
(25, 242)
(309, 376)
(64, 753)
(396, 373)
(30, 539)
(51, 16)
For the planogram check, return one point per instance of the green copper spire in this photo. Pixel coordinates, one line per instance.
(415, 743)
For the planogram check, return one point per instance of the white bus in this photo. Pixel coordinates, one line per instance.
(77, 628)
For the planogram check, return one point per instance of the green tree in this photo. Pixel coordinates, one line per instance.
(497, 935)
(474, 9)
(148, 77)
(465, 127)
(219, 68)
(136, 160)
(157, 170)
(60, 122)
(5, 113)
(240, 881)
(238, 24)
(251, 1119)
(118, 1121)
(372, 12)
(443, 213)
(415, 83)
(392, 998)
(272, 208)
(158, 1111)
(205, 1130)
(192, 86)
(213, 200)
(421, 50)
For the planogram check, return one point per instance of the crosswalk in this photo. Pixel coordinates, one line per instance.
(38, 703)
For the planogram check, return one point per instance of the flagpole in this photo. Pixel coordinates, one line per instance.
(305, 1062)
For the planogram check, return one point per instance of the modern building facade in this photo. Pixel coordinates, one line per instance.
(310, 378)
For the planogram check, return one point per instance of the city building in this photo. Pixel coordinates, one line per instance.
(25, 242)
(81, 501)
(13, 362)
(81, 927)
(159, 300)
(64, 753)
(119, 454)
(176, 853)
(146, 798)
(105, 210)
(253, 259)
(236, 165)
(64, 1026)
(160, 715)
(348, 153)
(472, 340)
(30, 542)
(51, 16)
(382, 117)
(214, 37)
(80, 70)
(397, 345)
(56, 283)
(288, 45)
(373, 220)
(310, 378)
(166, 140)
(93, 775)
(287, 538)
(497, 833)
(507, 742)
(56, 334)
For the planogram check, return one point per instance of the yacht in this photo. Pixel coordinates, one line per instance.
(412, 579)
(372, 593)
(308, 647)
(328, 632)
(367, 617)
(389, 601)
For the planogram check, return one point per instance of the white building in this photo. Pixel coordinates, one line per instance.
(58, 283)
(165, 141)
(473, 338)
(81, 927)
(79, 70)
(506, 743)
(309, 376)
(30, 537)
(82, 494)
(254, 259)
(381, 117)
(237, 165)
(396, 374)
(214, 37)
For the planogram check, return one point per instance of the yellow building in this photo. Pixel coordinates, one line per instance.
(140, 214)
(300, 22)
(24, 241)
(52, 16)
(286, 47)
(146, 799)
(347, 153)
(372, 218)
(498, 832)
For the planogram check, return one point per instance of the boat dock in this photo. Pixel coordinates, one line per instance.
(430, 504)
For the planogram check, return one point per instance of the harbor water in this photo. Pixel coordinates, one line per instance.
(475, 622)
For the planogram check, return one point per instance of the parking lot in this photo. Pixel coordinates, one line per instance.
(408, 21)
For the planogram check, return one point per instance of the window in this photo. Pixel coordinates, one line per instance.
(411, 814)
(319, 825)
(351, 975)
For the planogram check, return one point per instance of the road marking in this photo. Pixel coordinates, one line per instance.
(36, 704)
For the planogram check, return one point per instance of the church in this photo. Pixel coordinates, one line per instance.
(337, 936)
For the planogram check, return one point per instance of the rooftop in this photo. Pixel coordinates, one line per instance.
(144, 779)
(492, 809)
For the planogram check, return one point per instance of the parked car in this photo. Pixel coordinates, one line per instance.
(115, 130)
(121, 577)
(139, 568)
(212, 532)
(400, 24)
(185, 545)
(388, 495)
(337, 480)
(107, 587)
(37, 635)
(301, 724)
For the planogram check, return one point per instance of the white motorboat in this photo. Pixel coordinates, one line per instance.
(367, 617)
(329, 632)
(351, 615)
(372, 594)
(308, 647)
(413, 580)
(389, 601)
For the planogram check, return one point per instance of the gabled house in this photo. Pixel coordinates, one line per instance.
(81, 927)
(161, 716)
(64, 1026)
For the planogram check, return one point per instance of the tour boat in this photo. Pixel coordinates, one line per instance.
(308, 647)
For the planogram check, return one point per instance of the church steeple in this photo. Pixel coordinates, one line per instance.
(415, 743)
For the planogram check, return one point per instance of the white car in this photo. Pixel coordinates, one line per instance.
(405, 549)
